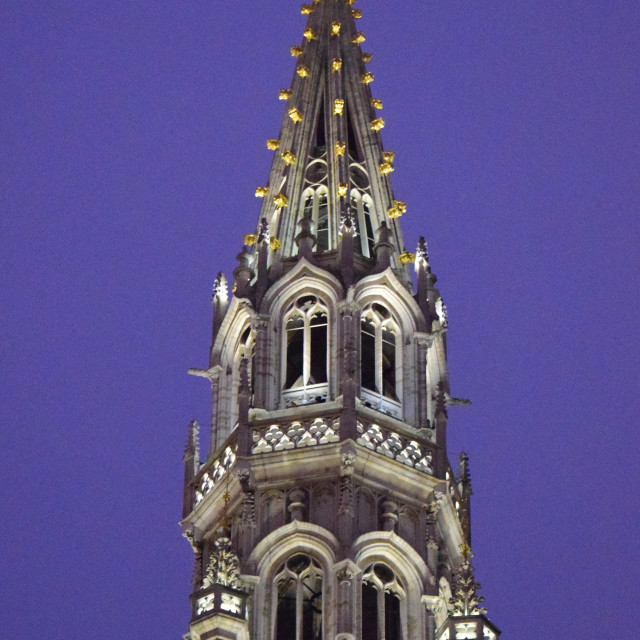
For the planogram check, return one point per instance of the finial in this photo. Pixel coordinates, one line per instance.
(339, 148)
(377, 124)
(421, 250)
(261, 192)
(336, 64)
(358, 38)
(284, 94)
(376, 103)
(220, 286)
(306, 9)
(296, 51)
(335, 28)
(192, 439)
(273, 144)
(309, 34)
(338, 106)
(465, 599)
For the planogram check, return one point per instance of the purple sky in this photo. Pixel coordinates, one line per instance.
(133, 136)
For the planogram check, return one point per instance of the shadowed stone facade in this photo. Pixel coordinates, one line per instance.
(326, 507)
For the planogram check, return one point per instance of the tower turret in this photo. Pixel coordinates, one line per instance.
(327, 507)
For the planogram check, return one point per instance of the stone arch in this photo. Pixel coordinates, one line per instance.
(269, 555)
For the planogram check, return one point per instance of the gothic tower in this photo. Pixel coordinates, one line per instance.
(326, 507)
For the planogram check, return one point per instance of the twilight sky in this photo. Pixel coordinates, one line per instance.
(132, 137)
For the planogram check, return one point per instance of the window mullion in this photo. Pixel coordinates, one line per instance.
(381, 616)
(379, 359)
(299, 600)
(306, 364)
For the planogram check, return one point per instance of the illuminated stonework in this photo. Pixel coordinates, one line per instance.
(326, 507)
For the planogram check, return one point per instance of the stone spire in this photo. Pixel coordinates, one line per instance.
(329, 164)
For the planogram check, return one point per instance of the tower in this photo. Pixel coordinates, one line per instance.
(326, 507)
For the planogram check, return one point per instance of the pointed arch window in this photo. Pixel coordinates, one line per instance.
(305, 352)
(316, 207)
(361, 209)
(299, 600)
(381, 603)
(380, 359)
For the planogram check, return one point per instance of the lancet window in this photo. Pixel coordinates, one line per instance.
(316, 207)
(299, 600)
(305, 352)
(382, 597)
(361, 209)
(379, 357)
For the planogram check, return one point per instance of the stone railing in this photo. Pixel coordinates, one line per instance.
(295, 434)
(218, 599)
(213, 470)
(402, 447)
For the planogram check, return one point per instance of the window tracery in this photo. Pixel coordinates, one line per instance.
(299, 599)
(381, 600)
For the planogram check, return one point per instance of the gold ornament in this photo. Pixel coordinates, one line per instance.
(388, 156)
(303, 71)
(385, 168)
(335, 28)
(339, 148)
(288, 157)
(376, 104)
(306, 9)
(281, 200)
(356, 13)
(275, 244)
(296, 51)
(358, 38)
(366, 78)
(309, 34)
(336, 64)
(295, 115)
(261, 192)
(338, 106)
(342, 189)
(377, 124)
(366, 57)
(250, 239)
(406, 257)
(397, 209)
(284, 94)
(273, 144)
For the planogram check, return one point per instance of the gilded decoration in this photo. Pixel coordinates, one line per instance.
(377, 124)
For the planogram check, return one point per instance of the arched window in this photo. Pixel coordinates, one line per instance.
(379, 359)
(316, 206)
(381, 596)
(299, 600)
(361, 208)
(305, 353)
